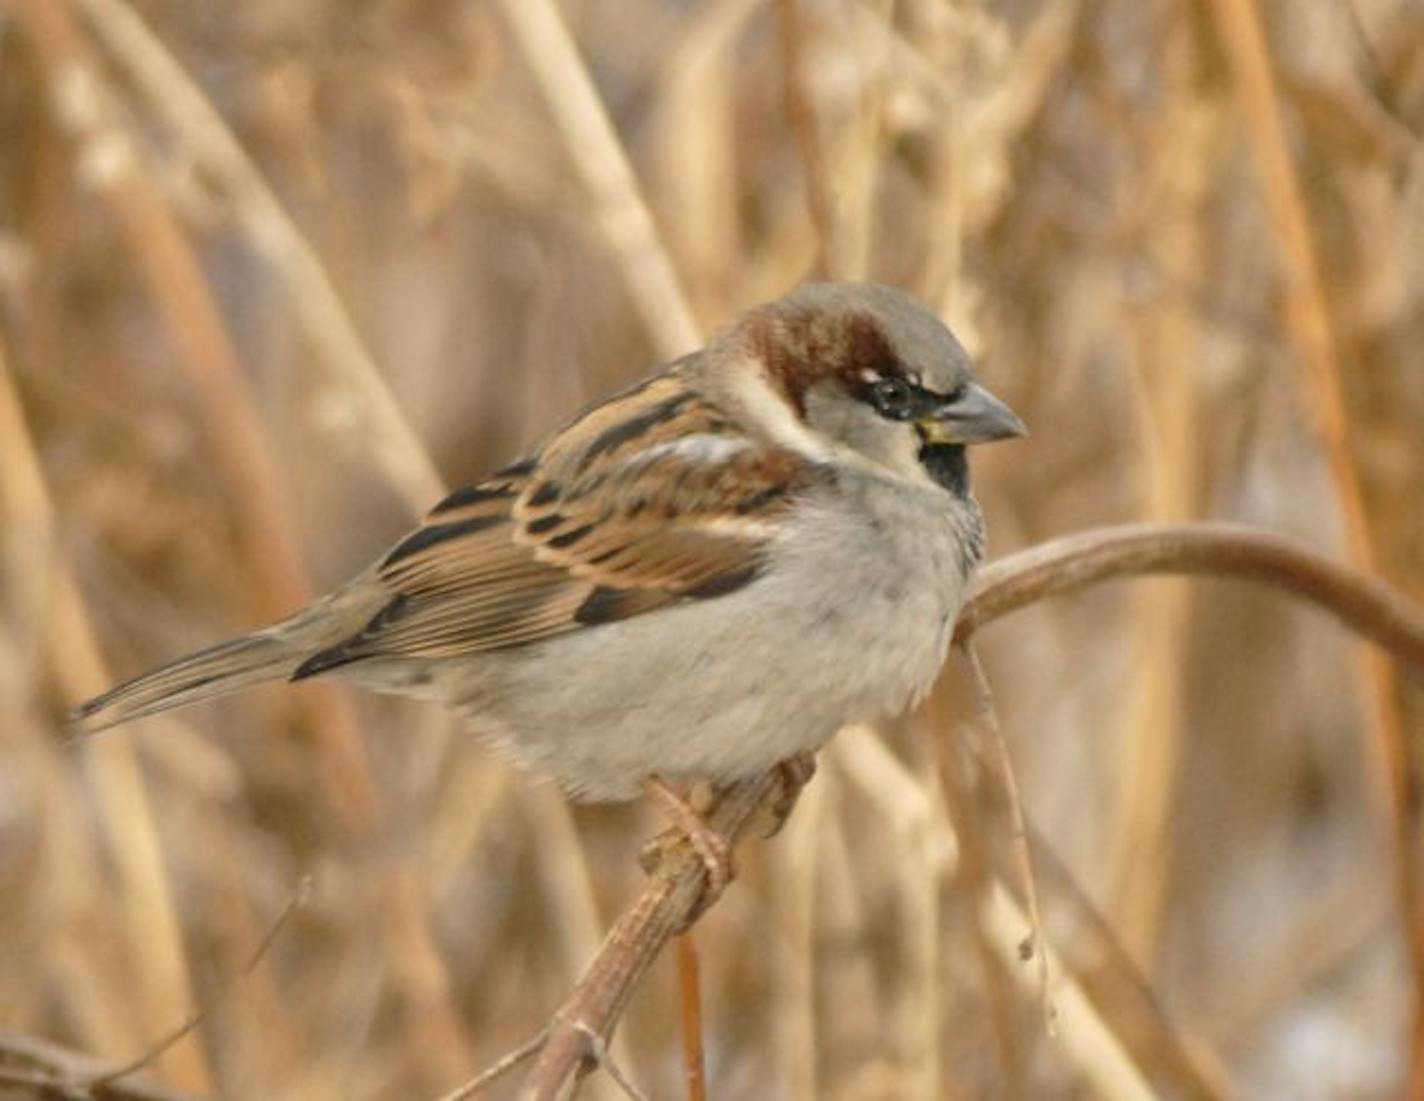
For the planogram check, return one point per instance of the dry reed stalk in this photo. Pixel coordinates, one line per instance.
(598, 157)
(695, 156)
(72, 969)
(456, 827)
(988, 121)
(1091, 1045)
(958, 788)
(925, 850)
(853, 163)
(243, 452)
(259, 1029)
(1167, 355)
(798, 104)
(376, 427)
(795, 887)
(162, 986)
(945, 47)
(1310, 326)
(244, 455)
(1183, 1065)
(849, 1043)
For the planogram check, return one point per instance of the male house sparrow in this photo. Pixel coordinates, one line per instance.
(702, 576)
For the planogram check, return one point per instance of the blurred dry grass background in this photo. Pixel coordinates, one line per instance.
(189, 442)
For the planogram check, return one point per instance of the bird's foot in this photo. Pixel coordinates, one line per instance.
(714, 849)
(795, 773)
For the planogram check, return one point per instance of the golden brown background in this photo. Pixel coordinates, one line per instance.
(1186, 242)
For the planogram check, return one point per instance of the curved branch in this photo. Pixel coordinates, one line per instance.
(670, 900)
(1365, 605)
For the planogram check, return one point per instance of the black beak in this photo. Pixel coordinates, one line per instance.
(974, 416)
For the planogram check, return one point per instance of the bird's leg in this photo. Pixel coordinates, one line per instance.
(795, 773)
(714, 849)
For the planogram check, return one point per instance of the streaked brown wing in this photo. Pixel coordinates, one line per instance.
(650, 498)
(693, 521)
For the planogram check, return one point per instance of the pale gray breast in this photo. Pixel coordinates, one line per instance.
(849, 622)
(903, 557)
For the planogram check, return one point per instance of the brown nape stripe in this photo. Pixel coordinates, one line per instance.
(432, 534)
(466, 496)
(629, 430)
(868, 349)
(801, 347)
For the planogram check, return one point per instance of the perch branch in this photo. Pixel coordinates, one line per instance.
(668, 904)
(1368, 607)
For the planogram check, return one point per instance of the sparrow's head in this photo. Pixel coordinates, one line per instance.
(868, 371)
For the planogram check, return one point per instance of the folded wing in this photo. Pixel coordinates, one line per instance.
(651, 498)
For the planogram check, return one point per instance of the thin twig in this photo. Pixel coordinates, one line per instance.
(503, 1066)
(1105, 970)
(689, 981)
(148, 1058)
(1037, 947)
(1093, 1047)
(959, 785)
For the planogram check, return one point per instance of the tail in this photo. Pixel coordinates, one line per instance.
(216, 671)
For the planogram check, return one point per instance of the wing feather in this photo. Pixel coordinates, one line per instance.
(651, 498)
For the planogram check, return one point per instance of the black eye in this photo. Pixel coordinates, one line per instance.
(892, 397)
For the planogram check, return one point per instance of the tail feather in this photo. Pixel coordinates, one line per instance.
(215, 671)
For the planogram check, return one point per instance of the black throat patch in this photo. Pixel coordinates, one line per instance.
(947, 465)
